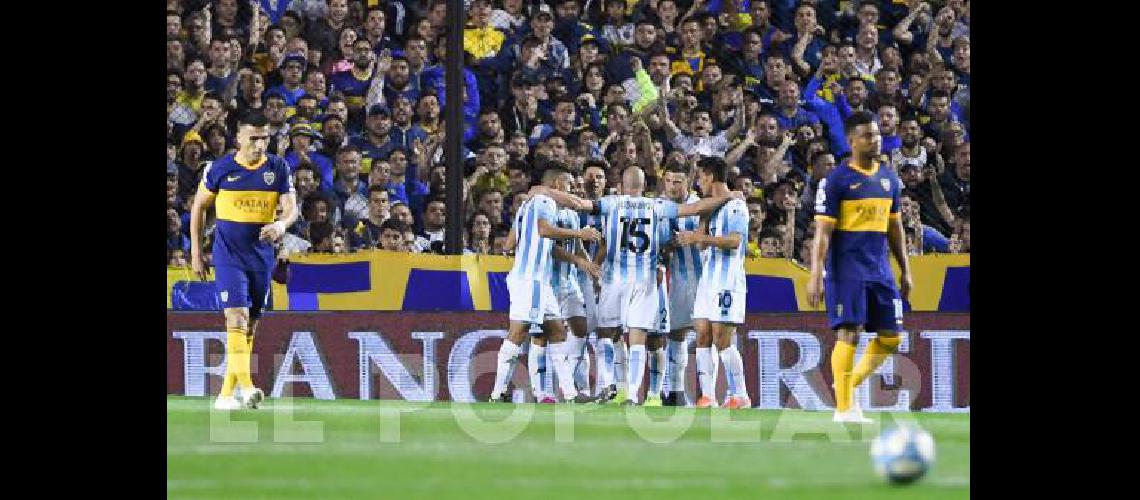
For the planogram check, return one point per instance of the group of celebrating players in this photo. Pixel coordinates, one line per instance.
(661, 266)
(652, 267)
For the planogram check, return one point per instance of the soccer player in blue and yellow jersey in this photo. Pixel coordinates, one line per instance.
(857, 220)
(245, 187)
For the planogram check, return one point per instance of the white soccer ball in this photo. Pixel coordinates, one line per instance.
(903, 454)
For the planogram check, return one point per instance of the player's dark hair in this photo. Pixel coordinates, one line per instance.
(594, 162)
(856, 119)
(253, 118)
(553, 170)
(756, 200)
(714, 166)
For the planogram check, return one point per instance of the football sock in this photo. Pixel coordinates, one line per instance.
(579, 361)
(877, 352)
(606, 364)
(536, 365)
(237, 346)
(842, 357)
(678, 364)
(707, 366)
(636, 370)
(734, 371)
(508, 356)
(561, 357)
(657, 364)
(621, 357)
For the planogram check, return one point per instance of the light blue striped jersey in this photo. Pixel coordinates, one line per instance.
(565, 273)
(596, 221)
(684, 262)
(532, 251)
(724, 269)
(632, 233)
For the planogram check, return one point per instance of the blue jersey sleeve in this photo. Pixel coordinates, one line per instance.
(896, 196)
(827, 199)
(666, 209)
(210, 178)
(285, 184)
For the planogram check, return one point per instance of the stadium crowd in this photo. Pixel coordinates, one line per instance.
(354, 91)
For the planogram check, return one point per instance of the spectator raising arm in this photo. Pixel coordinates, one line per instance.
(800, 65)
(739, 118)
(671, 129)
(378, 69)
(902, 31)
(737, 152)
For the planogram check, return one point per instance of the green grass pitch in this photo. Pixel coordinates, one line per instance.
(305, 448)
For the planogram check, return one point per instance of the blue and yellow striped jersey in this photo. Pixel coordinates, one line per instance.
(246, 201)
(861, 204)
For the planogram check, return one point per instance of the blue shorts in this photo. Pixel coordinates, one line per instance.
(874, 304)
(242, 288)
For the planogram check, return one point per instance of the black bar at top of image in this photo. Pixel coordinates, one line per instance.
(453, 116)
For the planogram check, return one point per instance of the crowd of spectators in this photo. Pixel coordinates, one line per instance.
(354, 92)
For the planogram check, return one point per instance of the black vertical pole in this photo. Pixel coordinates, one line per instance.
(453, 117)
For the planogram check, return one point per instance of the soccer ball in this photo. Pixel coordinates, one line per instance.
(903, 454)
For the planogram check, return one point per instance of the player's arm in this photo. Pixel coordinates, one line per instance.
(565, 199)
(578, 259)
(896, 238)
(727, 242)
(823, 228)
(548, 230)
(827, 213)
(203, 200)
(705, 205)
(289, 212)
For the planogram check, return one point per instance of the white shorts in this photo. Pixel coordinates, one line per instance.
(632, 305)
(664, 312)
(682, 294)
(532, 301)
(718, 306)
(590, 299)
(571, 304)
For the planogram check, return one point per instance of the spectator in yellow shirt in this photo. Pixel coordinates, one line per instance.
(480, 39)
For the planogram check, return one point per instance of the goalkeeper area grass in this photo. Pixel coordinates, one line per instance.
(306, 448)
